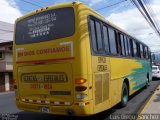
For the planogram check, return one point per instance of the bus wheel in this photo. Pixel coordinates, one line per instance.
(124, 95)
(147, 82)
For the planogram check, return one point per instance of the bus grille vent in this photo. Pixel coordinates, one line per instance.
(102, 87)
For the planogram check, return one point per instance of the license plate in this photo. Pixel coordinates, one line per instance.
(45, 110)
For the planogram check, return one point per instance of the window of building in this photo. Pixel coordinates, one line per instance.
(112, 41)
(1, 55)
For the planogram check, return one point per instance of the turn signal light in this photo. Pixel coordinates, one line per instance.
(14, 82)
(80, 88)
(80, 81)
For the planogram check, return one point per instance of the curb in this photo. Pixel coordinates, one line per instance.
(150, 100)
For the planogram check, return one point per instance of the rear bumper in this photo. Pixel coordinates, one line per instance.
(58, 110)
(156, 75)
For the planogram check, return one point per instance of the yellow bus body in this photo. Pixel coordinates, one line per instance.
(70, 59)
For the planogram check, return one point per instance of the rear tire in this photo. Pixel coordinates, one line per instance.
(124, 95)
(147, 82)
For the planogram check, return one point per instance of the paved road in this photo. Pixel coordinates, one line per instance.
(7, 105)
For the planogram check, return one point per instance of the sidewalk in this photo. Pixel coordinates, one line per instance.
(153, 105)
(4, 93)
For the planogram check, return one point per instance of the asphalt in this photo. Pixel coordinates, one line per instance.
(7, 103)
(135, 105)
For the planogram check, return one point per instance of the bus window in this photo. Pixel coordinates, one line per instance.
(134, 48)
(45, 26)
(93, 36)
(138, 50)
(129, 47)
(141, 49)
(112, 41)
(99, 37)
(145, 52)
(105, 38)
(126, 45)
(122, 45)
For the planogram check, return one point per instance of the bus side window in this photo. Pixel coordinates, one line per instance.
(106, 40)
(120, 42)
(112, 41)
(145, 52)
(99, 37)
(129, 47)
(134, 48)
(126, 45)
(138, 50)
(131, 44)
(93, 35)
(141, 49)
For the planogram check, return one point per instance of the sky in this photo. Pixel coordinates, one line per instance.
(120, 12)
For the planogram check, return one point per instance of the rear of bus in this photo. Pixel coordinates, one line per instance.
(49, 58)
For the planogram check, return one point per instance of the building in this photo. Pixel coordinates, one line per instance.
(6, 66)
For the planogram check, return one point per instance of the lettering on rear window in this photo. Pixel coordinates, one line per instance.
(45, 26)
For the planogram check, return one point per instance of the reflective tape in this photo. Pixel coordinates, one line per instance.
(82, 103)
(46, 102)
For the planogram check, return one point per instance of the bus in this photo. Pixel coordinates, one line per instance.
(69, 60)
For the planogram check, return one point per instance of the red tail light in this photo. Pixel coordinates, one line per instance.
(14, 83)
(80, 88)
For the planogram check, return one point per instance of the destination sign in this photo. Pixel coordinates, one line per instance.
(44, 78)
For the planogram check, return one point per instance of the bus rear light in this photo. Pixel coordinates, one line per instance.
(80, 88)
(14, 82)
(15, 86)
(17, 99)
(81, 96)
(80, 81)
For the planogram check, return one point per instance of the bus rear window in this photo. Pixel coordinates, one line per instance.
(45, 26)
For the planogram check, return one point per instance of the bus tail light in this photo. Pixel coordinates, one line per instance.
(80, 81)
(17, 98)
(14, 83)
(81, 96)
(80, 88)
